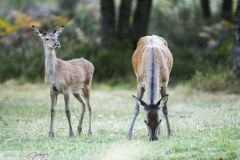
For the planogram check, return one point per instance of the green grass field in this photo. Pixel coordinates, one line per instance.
(206, 126)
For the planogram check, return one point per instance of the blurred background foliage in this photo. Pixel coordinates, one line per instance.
(200, 34)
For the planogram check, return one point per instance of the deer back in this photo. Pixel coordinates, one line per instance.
(162, 56)
(74, 74)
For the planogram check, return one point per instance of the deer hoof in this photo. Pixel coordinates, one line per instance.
(170, 134)
(50, 135)
(129, 137)
(89, 133)
(71, 135)
(79, 130)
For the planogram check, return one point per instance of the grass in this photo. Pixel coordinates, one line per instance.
(206, 126)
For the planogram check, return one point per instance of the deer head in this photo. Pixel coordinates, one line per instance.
(50, 39)
(152, 116)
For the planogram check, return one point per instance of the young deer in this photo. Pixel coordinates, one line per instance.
(152, 63)
(66, 77)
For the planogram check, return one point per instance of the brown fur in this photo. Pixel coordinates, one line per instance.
(74, 75)
(164, 57)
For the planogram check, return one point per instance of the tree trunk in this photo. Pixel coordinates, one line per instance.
(227, 9)
(107, 22)
(124, 19)
(141, 19)
(238, 8)
(206, 11)
(235, 61)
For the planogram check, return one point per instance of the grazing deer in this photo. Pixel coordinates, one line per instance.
(66, 77)
(152, 63)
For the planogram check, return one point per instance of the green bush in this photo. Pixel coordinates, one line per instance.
(215, 82)
(184, 64)
(27, 66)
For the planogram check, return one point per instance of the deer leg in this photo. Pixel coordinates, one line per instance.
(68, 114)
(86, 93)
(140, 92)
(158, 130)
(79, 98)
(53, 95)
(165, 110)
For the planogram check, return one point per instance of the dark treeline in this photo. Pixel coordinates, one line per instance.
(113, 27)
(106, 33)
(235, 59)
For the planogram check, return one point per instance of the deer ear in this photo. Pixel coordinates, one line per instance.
(163, 99)
(37, 31)
(145, 122)
(141, 102)
(59, 30)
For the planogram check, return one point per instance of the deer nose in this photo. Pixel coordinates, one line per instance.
(57, 45)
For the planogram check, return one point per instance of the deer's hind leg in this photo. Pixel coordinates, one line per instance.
(80, 99)
(86, 94)
(165, 109)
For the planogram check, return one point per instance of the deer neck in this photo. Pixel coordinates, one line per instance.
(50, 63)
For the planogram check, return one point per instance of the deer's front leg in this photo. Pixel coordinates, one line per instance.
(53, 95)
(140, 92)
(165, 110)
(68, 114)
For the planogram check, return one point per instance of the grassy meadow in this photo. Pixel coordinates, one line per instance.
(206, 126)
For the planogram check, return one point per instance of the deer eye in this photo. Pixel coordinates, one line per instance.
(146, 122)
(159, 121)
(47, 39)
